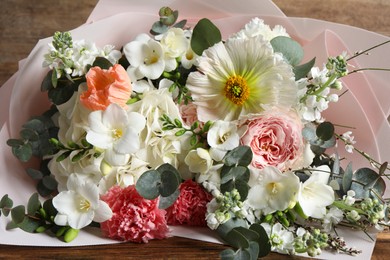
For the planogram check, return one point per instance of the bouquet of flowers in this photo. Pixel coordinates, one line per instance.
(182, 127)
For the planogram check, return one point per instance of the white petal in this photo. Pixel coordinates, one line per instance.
(257, 197)
(137, 121)
(78, 221)
(103, 141)
(129, 142)
(103, 212)
(61, 219)
(65, 202)
(114, 117)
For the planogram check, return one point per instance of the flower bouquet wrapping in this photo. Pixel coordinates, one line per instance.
(242, 124)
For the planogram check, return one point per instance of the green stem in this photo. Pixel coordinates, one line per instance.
(341, 205)
(367, 50)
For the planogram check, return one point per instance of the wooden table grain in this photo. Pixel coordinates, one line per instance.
(24, 22)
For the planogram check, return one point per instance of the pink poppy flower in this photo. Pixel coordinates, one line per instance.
(190, 208)
(134, 218)
(106, 87)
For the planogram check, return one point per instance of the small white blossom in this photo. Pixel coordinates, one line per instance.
(222, 137)
(332, 217)
(281, 239)
(199, 160)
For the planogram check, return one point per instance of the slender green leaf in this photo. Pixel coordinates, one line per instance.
(347, 178)
(34, 174)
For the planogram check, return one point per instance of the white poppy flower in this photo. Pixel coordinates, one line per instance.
(314, 194)
(273, 190)
(115, 131)
(80, 204)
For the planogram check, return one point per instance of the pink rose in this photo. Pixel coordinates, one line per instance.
(188, 113)
(190, 208)
(106, 87)
(275, 139)
(134, 218)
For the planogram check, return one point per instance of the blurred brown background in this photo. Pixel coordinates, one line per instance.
(24, 22)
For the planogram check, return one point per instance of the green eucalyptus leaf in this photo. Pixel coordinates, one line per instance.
(302, 70)
(250, 234)
(253, 250)
(14, 142)
(236, 239)
(17, 214)
(34, 174)
(6, 204)
(329, 143)
(47, 82)
(241, 155)
(325, 131)
(205, 34)
(226, 227)
(29, 134)
(60, 94)
(227, 254)
(235, 173)
(49, 208)
(291, 50)
(165, 202)
(263, 241)
(309, 133)
(169, 183)
(36, 124)
(46, 186)
(242, 188)
(23, 152)
(148, 184)
(365, 180)
(33, 204)
(159, 28)
(102, 63)
(347, 178)
(29, 225)
(227, 186)
(180, 24)
(11, 225)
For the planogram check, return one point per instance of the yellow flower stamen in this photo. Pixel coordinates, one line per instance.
(84, 205)
(273, 187)
(236, 89)
(117, 133)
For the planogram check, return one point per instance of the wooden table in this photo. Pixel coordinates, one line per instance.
(24, 22)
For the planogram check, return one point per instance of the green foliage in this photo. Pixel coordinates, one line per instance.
(102, 63)
(35, 217)
(168, 18)
(367, 183)
(205, 34)
(164, 182)
(241, 155)
(198, 136)
(291, 50)
(250, 243)
(300, 71)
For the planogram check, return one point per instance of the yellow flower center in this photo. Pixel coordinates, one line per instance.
(236, 89)
(272, 187)
(117, 133)
(84, 205)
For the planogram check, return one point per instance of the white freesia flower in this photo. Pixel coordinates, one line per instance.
(199, 160)
(80, 204)
(222, 137)
(314, 194)
(175, 44)
(281, 239)
(116, 131)
(146, 57)
(273, 190)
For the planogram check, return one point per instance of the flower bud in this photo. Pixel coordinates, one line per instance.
(70, 235)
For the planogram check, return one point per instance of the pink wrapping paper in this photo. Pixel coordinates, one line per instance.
(364, 108)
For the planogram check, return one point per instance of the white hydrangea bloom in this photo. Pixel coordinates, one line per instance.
(257, 27)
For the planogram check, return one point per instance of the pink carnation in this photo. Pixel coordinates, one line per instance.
(190, 208)
(134, 218)
(275, 139)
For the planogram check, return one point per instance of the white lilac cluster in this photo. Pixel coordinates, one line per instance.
(70, 58)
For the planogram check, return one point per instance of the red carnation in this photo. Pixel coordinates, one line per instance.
(190, 207)
(134, 218)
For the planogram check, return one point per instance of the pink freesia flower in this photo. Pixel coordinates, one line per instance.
(134, 218)
(190, 208)
(275, 139)
(106, 87)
